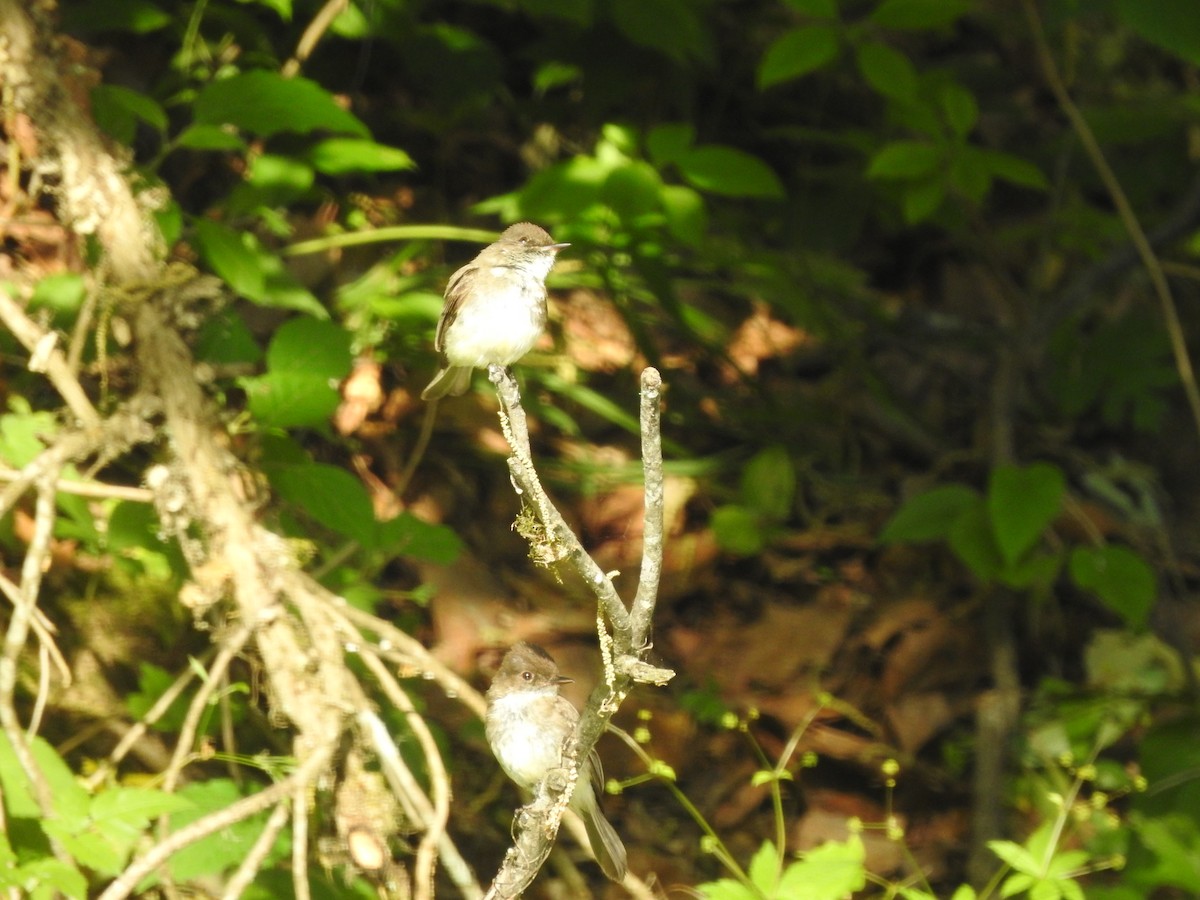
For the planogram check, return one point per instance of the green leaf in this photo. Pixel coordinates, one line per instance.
(341, 156)
(905, 160)
(134, 806)
(251, 271)
(210, 137)
(232, 255)
(1036, 570)
(724, 170)
(888, 71)
(922, 199)
(1021, 503)
(225, 339)
(554, 74)
(973, 541)
(118, 110)
(290, 399)
(23, 433)
(930, 516)
(266, 103)
(764, 868)
(738, 530)
(116, 16)
(306, 361)
(418, 539)
(667, 143)
(633, 190)
(225, 848)
(1014, 169)
(832, 871)
(918, 14)
(798, 52)
(62, 292)
(1171, 24)
(959, 107)
(331, 496)
(674, 28)
(1121, 578)
(312, 346)
(727, 889)
(769, 484)
(687, 216)
(1016, 856)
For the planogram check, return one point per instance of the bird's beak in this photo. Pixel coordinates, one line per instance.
(557, 247)
(563, 679)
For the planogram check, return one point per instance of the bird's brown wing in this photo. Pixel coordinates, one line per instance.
(457, 290)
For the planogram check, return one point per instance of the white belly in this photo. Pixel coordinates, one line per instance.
(498, 332)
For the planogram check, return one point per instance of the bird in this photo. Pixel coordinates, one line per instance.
(528, 723)
(494, 309)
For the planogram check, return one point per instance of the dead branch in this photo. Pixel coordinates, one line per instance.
(537, 824)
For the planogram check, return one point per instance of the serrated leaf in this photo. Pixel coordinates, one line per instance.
(930, 516)
(797, 53)
(888, 71)
(764, 867)
(266, 103)
(1120, 577)
(1021, 503)
(1015, 855)
(134, 806)
(833, 871)
(727, 171)
(727, 889)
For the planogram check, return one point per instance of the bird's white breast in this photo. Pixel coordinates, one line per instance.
(500, 328)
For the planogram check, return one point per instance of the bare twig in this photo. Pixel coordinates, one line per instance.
(435, 828)
(127, 881)
(1125, 211)
(416, 805)
(537, 824)
(243, 876)
(18, 632)
(312, 34)
(88, 488)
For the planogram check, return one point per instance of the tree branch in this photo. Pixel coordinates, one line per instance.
(537, 824)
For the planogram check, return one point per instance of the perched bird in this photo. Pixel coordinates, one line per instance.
(528, 724)
(495, 308)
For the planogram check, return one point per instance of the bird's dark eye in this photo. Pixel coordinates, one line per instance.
(528, 676)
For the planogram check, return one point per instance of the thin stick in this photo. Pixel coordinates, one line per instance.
(128, 880)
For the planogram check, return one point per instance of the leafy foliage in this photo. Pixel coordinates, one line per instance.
(859, 239)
